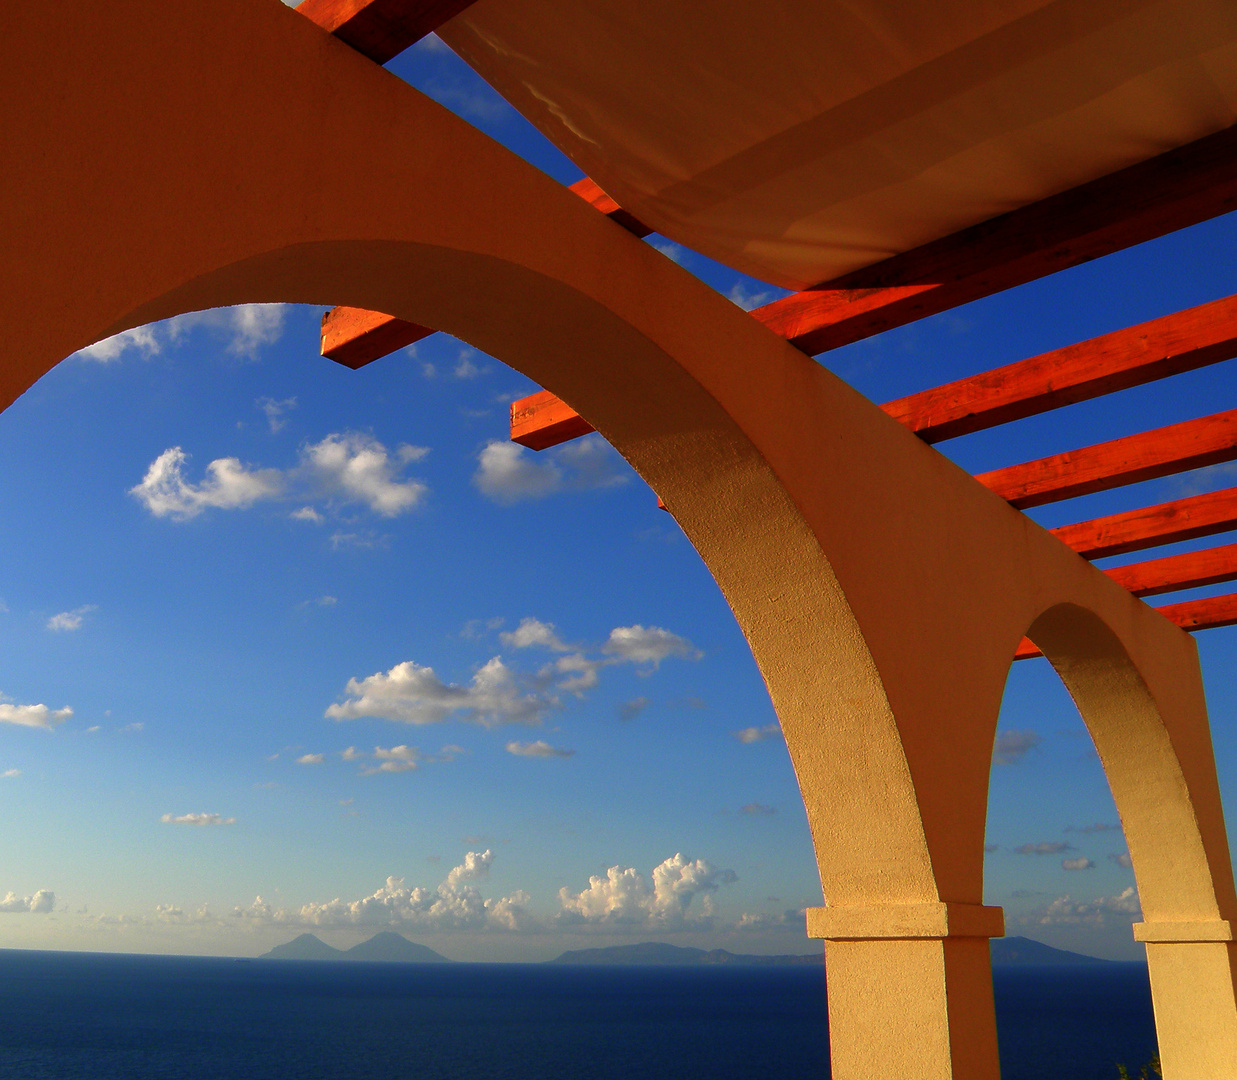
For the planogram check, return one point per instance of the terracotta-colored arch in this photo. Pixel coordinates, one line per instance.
(164, 158)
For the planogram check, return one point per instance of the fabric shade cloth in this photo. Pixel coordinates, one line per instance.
(798, 141)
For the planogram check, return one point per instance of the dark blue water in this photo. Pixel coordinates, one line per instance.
(74, 1016)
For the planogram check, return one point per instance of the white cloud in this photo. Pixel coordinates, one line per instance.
(456, 904)
(70, 620)
(465, 368)
(1080, 863)
(1044, 847)
(397, 759)
(41, 902)
(140, 339)
(1122, 859)
(351, 754)
(639, 645)
(358, 468)
(166, 493)
(1012, 746)
(413, 694)
(625, 898)
(629, 710)
(792, 919)
(346, 467)
(245, 329)
(581, 673)
(1065, 910)
(748, 299)
(532, 632)
(35, 716)
(275, 410)
(509, 473)
(200, 820)
(311, 759)
(540, 748)
(758, 734)
(10, 774)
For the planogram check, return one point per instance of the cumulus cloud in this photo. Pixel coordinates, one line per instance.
(1122, 859)
(229, 485)
(629, 710)
(358, 468)
(626, 898)
(540, 748)
(791, 919)
(758, 734)
(201, 820)
(413, 694)
(456, 904)
(70, 620)
(1080, 863)
(580, 671)
(532, 632)
(508, 473)
(344, 468)
(748, 298)
(1044, 847)
(497, 694)
(639, 645)
(406, 758)
(10, 774)
(1012, 746)
(275, 410)
(1065, 910)
(311, 759)
(140, 339)
(41, 902)
(245, 329)
(35, 716)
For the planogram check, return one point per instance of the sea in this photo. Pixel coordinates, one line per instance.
(91, 1016)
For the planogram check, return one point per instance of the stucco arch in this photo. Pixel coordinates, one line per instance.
(1183, 873)
(232, 152)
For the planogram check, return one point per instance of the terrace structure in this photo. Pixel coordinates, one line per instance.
(887, 161)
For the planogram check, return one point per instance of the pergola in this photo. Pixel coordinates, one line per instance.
(887, 161)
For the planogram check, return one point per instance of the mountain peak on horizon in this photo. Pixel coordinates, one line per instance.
(385, 947)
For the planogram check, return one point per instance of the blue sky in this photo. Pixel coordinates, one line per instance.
(275, 629)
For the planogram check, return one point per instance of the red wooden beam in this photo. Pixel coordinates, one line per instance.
(355, 337)
(1176, 572)
(381, 29)
(1192, 615)
(1182, 187)
(1131, 357)
(1145, 456)
(542, 420)
(1152, 526)
(359, 337)
(1140, 354)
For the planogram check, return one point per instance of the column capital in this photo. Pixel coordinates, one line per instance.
(1201, 930)
(902, 921)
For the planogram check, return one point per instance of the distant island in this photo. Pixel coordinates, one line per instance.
(386, 947)
(1023, 952)
(389, 947)
(1006, 952)
(654, 952)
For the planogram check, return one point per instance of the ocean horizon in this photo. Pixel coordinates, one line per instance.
(110, 1016)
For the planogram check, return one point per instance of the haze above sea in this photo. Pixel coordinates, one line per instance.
(89, 1016)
